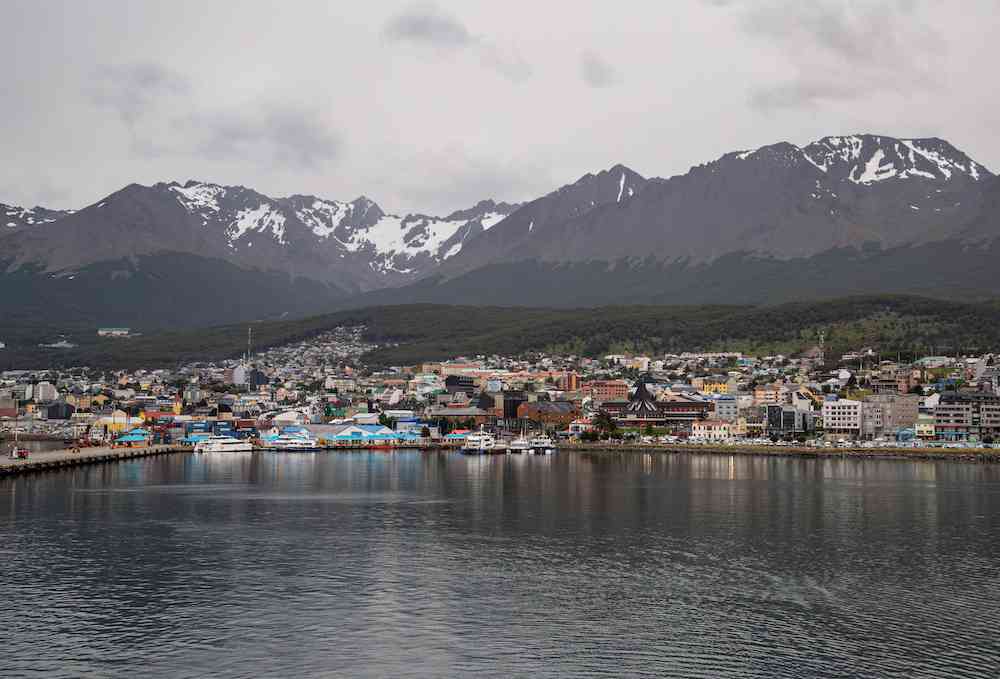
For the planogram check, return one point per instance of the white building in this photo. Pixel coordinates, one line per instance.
(240, 375)
(44, 391)
(842, 416)
(711, 430)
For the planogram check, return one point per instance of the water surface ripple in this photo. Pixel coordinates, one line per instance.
(435, 564)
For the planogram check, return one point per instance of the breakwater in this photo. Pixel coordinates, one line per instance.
(57, 459)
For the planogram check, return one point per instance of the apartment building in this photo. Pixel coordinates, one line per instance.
(967, 416)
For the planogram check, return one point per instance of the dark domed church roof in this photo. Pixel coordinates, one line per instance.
(642, 403)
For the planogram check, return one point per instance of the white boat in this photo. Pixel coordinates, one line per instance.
(542, 445)
(17, 452)
(479, 442)
(222, 444)
(520, 445)
(292, 442)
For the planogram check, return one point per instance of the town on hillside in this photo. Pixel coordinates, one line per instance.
(322, 386)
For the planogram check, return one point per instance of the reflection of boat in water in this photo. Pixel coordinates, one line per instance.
(542, 445)
(222, 444)
(479, 443)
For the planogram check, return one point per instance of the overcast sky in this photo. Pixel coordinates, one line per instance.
(433, 106)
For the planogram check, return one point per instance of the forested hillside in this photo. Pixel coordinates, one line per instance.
(414, 333)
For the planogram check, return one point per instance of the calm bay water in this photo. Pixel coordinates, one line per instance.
(435, 564)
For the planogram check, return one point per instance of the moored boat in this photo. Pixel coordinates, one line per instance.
(519, 445)
(222, 444)
(292, 442)
(479, 443)
(542, 445)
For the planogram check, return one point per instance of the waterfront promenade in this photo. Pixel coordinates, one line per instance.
(55, 459)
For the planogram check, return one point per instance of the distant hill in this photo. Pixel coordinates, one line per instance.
(433, 332)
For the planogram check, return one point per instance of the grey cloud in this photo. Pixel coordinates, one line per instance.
(429, 26)
(597, 72)
(509, 65)
(133, 91)
(453, 177)
(840, 49)
(288, 136)
(800, 92)
(165, 118)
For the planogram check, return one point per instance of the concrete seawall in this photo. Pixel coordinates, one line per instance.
(988, 455)
(56, 459)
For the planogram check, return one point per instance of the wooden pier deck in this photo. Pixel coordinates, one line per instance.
(56, 459)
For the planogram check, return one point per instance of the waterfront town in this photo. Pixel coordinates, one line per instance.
(322, 386)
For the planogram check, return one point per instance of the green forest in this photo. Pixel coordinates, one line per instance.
(420, 332)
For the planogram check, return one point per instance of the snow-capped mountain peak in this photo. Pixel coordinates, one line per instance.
(867, 158)
(390, 244)
(197, 197)
(402, 244)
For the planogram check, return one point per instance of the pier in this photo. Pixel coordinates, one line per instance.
(57, 459)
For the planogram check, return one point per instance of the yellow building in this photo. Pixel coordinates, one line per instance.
(924, 427)
(715, 387)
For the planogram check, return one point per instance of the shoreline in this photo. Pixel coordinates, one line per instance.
(978, 455)
(64, 458)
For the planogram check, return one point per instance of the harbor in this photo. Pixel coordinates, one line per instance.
(70, 457)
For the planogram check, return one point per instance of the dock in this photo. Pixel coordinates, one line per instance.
(58, 459)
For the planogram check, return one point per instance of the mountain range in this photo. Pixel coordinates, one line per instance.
(842, 215)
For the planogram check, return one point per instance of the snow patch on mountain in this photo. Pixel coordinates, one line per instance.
(15, 216)
(399, 239)
(323, 216)
(261, 219)
(199, 197)
(866, 159)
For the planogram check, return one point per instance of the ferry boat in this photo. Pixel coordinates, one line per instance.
(479, 443)
(542, 445)
(222, 444)
(292, 442)
(519, 445)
